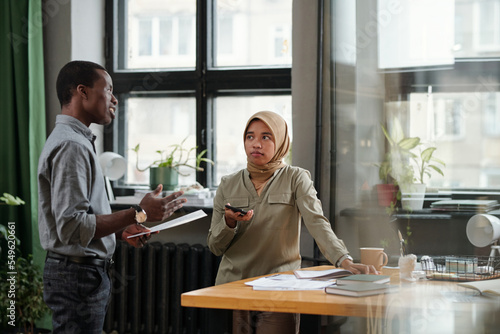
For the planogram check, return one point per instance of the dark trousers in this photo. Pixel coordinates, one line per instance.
(252, 322)
(78, 296)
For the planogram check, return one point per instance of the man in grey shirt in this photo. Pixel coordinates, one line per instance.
(77, 227)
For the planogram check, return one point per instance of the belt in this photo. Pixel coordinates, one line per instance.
(91, 261)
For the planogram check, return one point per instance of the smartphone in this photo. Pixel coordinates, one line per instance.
(232, 208)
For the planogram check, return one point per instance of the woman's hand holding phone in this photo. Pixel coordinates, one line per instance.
(234, 214)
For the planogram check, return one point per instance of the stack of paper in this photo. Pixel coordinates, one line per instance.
(465, 205)
(322, 274)
(287, 282)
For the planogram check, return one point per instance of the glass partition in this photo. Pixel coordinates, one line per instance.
(415, 99)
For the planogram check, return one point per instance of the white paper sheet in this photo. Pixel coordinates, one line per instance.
(288, 282)
(175, 222)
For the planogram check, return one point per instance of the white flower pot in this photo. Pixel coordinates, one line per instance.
(412, 196)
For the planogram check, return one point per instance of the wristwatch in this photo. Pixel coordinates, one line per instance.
(344, 257)
(140, 214)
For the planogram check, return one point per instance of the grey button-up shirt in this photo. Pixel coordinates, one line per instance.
(71, 192)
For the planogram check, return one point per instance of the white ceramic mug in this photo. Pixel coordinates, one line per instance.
(374, 256)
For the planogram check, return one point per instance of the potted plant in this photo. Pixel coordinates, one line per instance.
(425, 162)
(166, 169)
(408, 167)
(413, 186)
(392, 167)
(387, 191)
(22, 283)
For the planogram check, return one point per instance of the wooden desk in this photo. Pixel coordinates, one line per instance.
(431, 305)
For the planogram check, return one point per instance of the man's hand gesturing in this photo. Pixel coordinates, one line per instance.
(158, 209)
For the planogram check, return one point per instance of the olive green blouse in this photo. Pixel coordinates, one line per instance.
(269, 242)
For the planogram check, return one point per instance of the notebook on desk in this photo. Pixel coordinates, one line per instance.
(359, 289)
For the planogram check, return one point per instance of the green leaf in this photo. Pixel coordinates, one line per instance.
(426, 154)
(11, 200)
(438, 161)
(436, 169)
(409, 143)
(398, 133)
(389, 139)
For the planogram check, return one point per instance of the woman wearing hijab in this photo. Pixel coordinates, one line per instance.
(266, 239)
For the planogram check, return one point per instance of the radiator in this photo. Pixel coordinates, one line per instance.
(147, 284)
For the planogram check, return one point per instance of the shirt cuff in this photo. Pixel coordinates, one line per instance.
(344, 257)
(232, 229)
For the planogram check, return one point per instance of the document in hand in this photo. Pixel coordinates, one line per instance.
(363, 278)
(358, 289)
(174, 222)
(322, 274)
(485, 287)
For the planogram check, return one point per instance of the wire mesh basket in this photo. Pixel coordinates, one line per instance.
(461, 268)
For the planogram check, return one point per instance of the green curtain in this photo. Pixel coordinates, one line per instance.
(22, 111)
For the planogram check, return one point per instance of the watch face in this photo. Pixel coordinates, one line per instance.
(140, 216)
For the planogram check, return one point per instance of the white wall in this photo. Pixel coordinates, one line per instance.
(87, 30)
(87, 43)
(73, 30)
(57, 51)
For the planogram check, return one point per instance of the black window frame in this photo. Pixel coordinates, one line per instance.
(205, 81)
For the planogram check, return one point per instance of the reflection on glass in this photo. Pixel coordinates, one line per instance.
(232, 113)
(253, 33)
(465, 128)
(156, 123)
(160, 34)
(448, 99)
(477, 28)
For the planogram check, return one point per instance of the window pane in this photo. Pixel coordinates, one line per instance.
(156, 123)
(159, 34)
(253, 33)
(166, 37)
(145, 38)
(477, 24)
(465, 133)
(232, 113)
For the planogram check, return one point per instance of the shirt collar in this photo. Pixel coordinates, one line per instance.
(76, 125)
